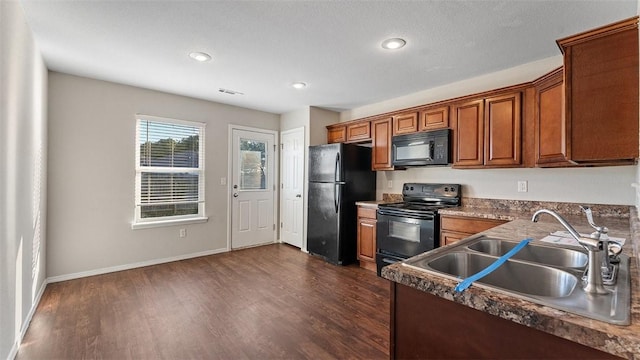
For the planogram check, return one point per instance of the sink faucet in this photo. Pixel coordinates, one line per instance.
(592, 244)
(601, 233)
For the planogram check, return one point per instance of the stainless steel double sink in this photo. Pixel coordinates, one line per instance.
(544, 274)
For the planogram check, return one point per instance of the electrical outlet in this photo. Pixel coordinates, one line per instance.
(183, 233)
(523, 186)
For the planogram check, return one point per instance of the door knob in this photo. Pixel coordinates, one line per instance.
(235, 194)
(298, 195)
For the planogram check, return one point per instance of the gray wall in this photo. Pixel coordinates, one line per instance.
(91, 176)
(23, 158)
(601, 185)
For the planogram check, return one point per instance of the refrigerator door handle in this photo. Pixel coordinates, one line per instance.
(336, 183)
(336, 172)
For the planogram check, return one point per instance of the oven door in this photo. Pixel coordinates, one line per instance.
(406, 235)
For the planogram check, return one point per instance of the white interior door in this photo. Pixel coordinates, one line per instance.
(292, 186)
(252, 188)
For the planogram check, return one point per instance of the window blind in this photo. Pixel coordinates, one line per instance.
(169, 169)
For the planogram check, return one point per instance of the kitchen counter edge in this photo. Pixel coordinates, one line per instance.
(623, 341)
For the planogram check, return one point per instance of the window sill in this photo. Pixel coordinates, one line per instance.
(161, 223)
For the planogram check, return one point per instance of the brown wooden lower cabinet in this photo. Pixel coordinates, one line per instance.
(425, 326)
(367, 237)
(456, 228)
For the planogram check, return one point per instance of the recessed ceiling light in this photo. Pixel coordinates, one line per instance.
(393, 44)
(299, 85)
(200, 56)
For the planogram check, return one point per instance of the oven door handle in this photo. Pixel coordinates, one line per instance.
(390, 261)
(401, 215)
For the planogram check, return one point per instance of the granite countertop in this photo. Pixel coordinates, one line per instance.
(386, 199)
(371, 203)
(623, 341)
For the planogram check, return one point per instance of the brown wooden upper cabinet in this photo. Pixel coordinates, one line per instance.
(550, 130)
(468, 130)
(434, 118)
(381, 132)
(488, 132)
(360, 131)
(349, 132)
(585, 113)
(336, 133)
(405, 123)
(601, 94)
(502, 130)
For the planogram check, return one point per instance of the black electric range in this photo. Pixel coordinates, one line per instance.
(411, 227)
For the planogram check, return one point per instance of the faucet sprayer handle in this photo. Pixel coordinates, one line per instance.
(587, 211)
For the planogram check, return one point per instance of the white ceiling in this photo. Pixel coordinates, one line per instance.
(260, 47)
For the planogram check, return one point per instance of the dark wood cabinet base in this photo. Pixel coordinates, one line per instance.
(424, 326)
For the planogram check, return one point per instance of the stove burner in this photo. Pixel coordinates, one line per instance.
(425, 198)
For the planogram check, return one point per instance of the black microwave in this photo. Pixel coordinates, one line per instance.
(422, 148)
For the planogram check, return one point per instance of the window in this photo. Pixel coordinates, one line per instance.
(253, 158)
(169, 171)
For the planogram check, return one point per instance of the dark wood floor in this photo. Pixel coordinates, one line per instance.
(268, 302)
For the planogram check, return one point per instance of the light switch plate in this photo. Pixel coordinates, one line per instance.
(523, 186)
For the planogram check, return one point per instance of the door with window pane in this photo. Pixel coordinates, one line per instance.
(252, 188)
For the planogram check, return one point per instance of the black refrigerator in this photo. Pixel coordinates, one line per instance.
(339, 175)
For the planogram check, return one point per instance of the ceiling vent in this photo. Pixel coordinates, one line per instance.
(230, 92)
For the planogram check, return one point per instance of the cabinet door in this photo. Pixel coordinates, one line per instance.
(434, 118)
(426, 326)
(453, 228)
(366, 239)
(405, 123)
(359, 132)
(381, 144)
(601, 71)
(468, 126)
(550, 128)
(502, 130)
(450, 237)
(336, 134)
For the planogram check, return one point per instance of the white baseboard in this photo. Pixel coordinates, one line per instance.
(14, 350)
(27, 321)
(111, 269)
